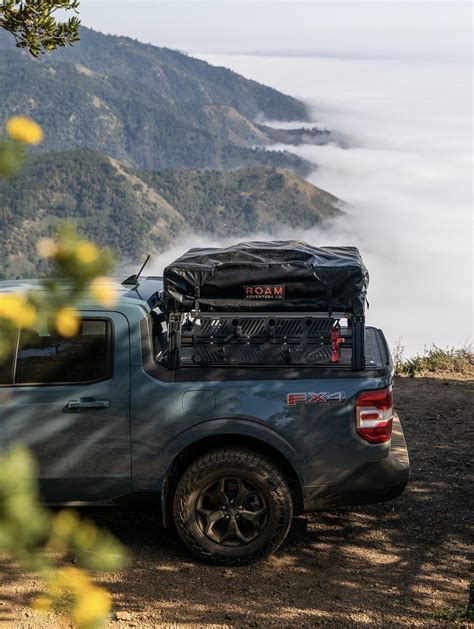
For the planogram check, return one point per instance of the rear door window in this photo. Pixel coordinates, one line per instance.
(44, 357)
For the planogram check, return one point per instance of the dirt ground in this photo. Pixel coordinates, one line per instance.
(401, 564)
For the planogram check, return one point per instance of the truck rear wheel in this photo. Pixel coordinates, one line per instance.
(232, 506)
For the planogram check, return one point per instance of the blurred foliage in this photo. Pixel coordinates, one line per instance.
(34, 25)
(32, 535)
(434, 361)
(29, 533)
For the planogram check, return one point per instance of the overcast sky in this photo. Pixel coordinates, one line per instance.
(383, 28)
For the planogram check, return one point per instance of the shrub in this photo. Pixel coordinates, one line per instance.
(435, 361)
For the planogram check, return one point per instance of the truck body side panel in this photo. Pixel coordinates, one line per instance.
(317, 438)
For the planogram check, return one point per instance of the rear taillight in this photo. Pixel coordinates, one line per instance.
(374, 414)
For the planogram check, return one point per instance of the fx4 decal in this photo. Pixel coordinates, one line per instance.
(292, 399)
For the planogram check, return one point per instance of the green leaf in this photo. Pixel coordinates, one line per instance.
(34, 25)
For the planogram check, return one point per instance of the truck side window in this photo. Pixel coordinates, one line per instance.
(44, 357)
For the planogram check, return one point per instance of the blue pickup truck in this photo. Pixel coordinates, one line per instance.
(228, 448)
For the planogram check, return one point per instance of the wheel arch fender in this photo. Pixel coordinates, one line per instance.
(212, 434)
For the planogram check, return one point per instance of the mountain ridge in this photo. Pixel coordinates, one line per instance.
(134, 211)
(149, 107)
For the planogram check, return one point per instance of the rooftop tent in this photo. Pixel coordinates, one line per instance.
(267, 276)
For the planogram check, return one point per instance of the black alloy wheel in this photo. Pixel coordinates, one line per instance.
(233, 506)
(231, 511)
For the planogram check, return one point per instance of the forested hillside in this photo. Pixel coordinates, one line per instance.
(144, 144)
(243, 201)
(135, 212)
(149, 107)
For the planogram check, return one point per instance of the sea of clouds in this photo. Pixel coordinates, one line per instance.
(405, 171)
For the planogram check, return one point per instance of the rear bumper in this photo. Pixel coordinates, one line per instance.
(375, 481)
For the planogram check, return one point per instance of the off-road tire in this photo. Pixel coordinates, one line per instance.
(254, 470)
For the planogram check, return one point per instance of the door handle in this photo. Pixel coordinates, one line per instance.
(85, 404)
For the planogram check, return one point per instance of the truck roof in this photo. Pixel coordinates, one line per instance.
(147, 290)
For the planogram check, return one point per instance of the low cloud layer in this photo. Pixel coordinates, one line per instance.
(406, 175)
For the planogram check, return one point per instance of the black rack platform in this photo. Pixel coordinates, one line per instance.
(303, 339)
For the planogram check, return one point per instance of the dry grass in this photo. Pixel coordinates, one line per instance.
(435, 361)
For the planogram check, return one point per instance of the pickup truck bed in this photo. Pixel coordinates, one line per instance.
(377, 355)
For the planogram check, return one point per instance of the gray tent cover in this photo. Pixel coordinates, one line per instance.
(267, 276)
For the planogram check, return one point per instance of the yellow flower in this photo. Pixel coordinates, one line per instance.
(75, 579)
(86, 252)
(65, 522)
(17, 309)
(24, 130)
(47, 248)
(27, 316)
(10, 306)
(92, 606)
(103, 291)
(85, 535)
(69, 579)
(42, 603)
(67, 321)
